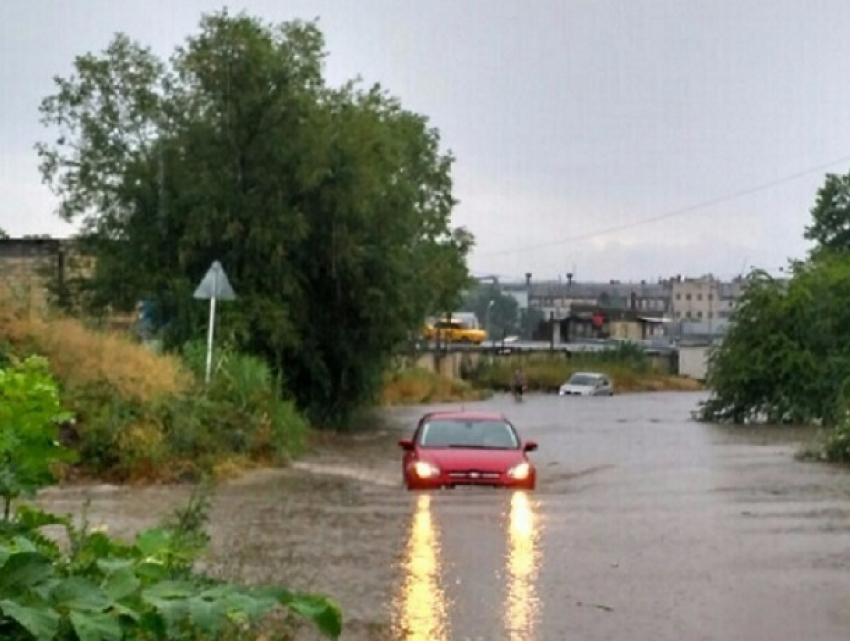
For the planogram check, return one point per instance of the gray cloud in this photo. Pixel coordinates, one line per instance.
(565, 117)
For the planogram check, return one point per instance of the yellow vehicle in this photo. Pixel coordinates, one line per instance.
(454, 331)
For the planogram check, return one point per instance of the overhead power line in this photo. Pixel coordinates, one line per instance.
(670, 214)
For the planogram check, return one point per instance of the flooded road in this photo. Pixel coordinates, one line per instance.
(645, 526)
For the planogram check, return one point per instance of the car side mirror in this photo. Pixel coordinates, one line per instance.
(406, 444)
(529, 446)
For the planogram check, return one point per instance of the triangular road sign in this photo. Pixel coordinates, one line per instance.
(215, 285)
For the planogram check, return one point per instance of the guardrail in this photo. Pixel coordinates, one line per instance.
(516, 346)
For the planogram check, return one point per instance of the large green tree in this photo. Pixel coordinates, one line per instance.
(786, 354)
(329, 207)
(498, 312)
(830, 226)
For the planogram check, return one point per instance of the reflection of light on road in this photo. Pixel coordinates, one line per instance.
(523, 562)
(422, 607)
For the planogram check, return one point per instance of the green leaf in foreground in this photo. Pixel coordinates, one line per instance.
(324, 612)
(78, 593)
(42, 623)
(96, 626)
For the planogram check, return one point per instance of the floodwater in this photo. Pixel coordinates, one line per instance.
(645, 526)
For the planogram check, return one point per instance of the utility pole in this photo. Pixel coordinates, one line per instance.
(487, 320)
(551, 331)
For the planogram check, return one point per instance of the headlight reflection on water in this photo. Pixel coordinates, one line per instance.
(422, 607)
(523, 562)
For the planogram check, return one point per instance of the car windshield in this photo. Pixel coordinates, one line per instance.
(486, 434)
(583, 380)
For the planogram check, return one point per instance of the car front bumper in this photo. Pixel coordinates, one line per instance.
(452, 479)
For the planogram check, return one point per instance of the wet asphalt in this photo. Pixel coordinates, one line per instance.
(645, 526)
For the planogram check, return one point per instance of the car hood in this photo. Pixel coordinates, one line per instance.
(584, 390)
(463, 459)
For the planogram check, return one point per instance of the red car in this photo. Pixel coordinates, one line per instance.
(467, 448)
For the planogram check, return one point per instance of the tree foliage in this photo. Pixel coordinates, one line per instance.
(498, 312)
(329, 207)
(830, 227)
(786, 355)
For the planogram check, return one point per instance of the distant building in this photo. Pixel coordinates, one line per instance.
(704, 300)
(557, 298)
(694, 306)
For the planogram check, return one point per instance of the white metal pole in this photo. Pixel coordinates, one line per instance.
(211, 327)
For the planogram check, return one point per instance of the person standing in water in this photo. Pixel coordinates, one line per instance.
(518, 383)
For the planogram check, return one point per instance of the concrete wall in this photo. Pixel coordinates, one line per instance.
(693, 361)
(455, 364)
(27, 266)
(33, 270)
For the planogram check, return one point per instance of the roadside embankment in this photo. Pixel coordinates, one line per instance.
(415, 386)
(140, 416)
(545, 373)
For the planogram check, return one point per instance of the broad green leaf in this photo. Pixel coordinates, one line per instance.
(110, 566)
(127, 611)
(152, 571)
(155, 624)
(153, 542)
(173, 611)
(32, 518)
(170, 590)
(208, 615)
(24, 544)
(41, 622)
(78, 593)
(96, 626)
(322, 611)
(23, 571)
(121, 584)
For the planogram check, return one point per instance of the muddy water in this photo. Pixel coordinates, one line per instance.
(644, 526)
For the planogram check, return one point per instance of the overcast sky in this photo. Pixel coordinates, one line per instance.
(571, 120)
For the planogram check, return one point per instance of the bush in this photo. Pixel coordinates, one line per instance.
(786, 353)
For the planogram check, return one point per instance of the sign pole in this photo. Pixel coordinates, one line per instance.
(211, 331)
(215, 286)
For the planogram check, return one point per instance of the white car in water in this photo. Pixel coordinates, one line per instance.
(587, 384)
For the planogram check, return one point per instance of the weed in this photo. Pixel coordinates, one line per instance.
(417, 386)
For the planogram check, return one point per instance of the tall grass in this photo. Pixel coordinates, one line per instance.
(417, 386)
(80, 357)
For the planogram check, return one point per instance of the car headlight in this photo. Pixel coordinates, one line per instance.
(520, 472)
(425, 470)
